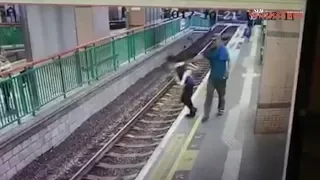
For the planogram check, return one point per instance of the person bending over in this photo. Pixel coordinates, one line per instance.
(183, 76)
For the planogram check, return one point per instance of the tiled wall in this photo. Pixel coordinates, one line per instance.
(281, 46)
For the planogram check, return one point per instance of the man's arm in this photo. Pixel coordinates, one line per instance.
(228, 61)
(227, 64)
(195, 59)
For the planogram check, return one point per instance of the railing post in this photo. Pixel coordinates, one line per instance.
(62, 78)
(114, 54)
(165, 33)
(145, 40)
(12, 84)
(94, 61)
(129, 46)
(133, 46)
(32, 81)
(78, 68)
(157, 35)
(21, 92)
(154, 37)
(87, 63)
(33, 91)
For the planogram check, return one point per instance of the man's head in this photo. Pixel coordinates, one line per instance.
(216, 41)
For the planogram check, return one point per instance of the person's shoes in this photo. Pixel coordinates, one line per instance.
(205, 118)
(220, 112)
(192, 113)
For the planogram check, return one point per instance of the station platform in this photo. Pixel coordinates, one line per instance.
(224, 147)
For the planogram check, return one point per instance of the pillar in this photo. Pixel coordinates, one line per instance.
(55, 29)
(51, 29)
(152, 15)
(136, 16)
(101, 21)
(280, 54)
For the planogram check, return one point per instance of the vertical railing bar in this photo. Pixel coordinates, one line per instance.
(62, 78)
(133, 45)
(87, 63)
(94, 59)
(78, 68)
(21, 91)
(14, 97)
(145, 40)
(114, 54)
(129, 46)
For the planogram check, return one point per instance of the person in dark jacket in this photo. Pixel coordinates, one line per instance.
(183, 76)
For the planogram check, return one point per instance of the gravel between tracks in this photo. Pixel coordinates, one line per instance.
(88, 138)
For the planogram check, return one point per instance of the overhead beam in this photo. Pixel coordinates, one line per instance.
(219, 4)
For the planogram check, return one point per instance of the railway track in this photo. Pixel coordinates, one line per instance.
(124, 155)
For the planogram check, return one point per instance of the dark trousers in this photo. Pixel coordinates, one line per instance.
(186, 96)
(212, 85)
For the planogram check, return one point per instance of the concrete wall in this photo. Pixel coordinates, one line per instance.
(49, 128)
(54, 29)
(280, 54)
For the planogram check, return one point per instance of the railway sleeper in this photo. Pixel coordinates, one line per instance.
(131, 155)
(173, 115)
(169, 100)
(137, 145)
(120, 166)
(145, 137)
(158, 122)
(166, 109)
(178, 105)
(151, 129)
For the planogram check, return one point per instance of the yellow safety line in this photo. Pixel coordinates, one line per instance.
(168, 158)
(184, 148)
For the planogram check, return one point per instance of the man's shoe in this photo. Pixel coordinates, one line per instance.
(205, 118)
(192, 113)
(220, 112)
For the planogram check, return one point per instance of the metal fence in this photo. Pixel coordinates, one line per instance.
(41, 82)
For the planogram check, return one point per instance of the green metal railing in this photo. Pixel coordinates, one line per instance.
(11, 34)
(26, 92)
(197, 21)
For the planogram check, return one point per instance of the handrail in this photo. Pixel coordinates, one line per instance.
(10, 25)
(81, 46)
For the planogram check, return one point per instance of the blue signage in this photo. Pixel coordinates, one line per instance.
(232, 16)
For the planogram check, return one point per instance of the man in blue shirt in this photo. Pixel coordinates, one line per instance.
(218, 56)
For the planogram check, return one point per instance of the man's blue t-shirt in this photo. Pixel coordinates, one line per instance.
(218, 59)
